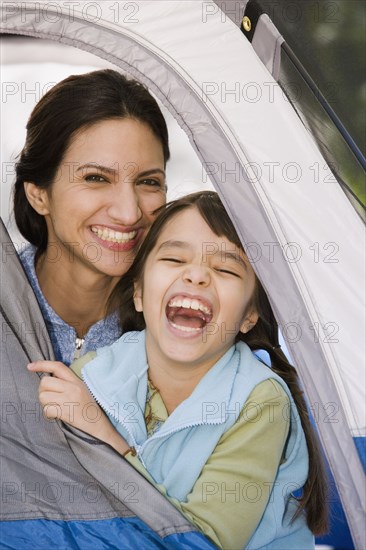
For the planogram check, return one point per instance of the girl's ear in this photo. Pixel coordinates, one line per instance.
(37, 198)
(137, 297)
(249, 321)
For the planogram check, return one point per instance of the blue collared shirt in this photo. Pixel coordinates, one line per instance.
(64, 337)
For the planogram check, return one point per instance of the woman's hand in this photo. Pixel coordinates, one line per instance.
(65, 397)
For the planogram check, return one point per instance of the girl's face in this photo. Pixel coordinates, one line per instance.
(100, 205)
(195, 295)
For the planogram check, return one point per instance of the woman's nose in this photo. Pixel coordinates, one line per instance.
(124, 207)
(197, 274)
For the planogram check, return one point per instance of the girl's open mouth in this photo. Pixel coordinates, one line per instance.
(188, 314)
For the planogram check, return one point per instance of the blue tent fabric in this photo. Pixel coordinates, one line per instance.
(339, 536)
(360, 443)
(112, 534)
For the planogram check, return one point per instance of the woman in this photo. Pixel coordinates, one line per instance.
(89, 177)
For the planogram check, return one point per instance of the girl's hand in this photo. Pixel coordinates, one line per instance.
(65, 397)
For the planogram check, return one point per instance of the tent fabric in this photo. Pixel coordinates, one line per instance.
(267, 45)
(108, 534)
(300, 232)
(54, 491)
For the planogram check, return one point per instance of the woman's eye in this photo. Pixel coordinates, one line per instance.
(150, 182)
(96, 178)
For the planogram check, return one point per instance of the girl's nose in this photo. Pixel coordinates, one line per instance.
(197, 274)
(124, 205)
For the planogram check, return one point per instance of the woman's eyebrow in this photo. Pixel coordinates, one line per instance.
(113, 171)
(152, 171)
(99, 167)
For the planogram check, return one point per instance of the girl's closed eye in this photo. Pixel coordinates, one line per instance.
(227, 271)
(172, 259)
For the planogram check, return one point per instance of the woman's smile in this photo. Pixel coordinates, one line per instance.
(120, 240)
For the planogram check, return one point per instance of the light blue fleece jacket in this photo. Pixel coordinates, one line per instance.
(176, 453)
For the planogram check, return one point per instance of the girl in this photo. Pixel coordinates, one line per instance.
(225, 437)
(90, 175)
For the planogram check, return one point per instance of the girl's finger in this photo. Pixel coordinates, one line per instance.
(51, 383)
(57, 369)
(58, 402)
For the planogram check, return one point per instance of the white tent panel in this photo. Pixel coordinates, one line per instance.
(23, 84)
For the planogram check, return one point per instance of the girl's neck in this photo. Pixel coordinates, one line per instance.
(76, 294)
(175, 384)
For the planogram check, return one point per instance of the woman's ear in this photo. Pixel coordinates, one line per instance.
(249, 321)
(37, 198)
(137, 297)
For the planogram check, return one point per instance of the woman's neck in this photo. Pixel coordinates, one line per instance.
(76, 294)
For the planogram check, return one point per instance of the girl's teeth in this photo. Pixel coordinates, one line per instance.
(189, 304)
(113, 236)
(185, 329)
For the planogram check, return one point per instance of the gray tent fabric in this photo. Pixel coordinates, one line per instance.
(48, 470)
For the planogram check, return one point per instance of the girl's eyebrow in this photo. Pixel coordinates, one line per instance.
(223, 254)
(174, 244)
(233, 256)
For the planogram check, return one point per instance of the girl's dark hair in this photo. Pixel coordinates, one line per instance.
(75, 103)
(264, 335)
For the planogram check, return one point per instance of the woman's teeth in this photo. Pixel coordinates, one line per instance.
(113, 236)
(189, 304)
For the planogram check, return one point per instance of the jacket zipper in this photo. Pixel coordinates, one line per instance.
(106, 408)
(78, 345)
(138, 448)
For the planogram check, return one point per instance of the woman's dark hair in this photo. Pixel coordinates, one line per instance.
(75, 103)
(264, 335)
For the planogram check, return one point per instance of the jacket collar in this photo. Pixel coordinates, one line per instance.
(117, 378)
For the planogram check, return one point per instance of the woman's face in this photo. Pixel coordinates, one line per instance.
(196, 294)
(100, 205)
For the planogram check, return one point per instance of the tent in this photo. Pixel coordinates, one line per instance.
(293, 213)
